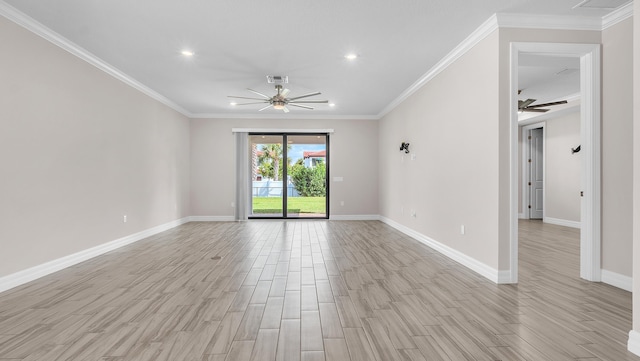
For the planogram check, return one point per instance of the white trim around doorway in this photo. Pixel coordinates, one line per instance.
(590, 70)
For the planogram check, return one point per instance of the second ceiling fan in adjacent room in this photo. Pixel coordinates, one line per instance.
(528, 106)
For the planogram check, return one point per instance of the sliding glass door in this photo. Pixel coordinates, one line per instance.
(267, 155)
(289, 174)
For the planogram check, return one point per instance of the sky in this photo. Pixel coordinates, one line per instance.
(296, 150)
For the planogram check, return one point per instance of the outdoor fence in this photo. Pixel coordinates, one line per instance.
(270, 188)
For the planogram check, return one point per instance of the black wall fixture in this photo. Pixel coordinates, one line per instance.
(404, 146)
(575, 150)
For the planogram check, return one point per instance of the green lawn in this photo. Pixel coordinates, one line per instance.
(296, 205)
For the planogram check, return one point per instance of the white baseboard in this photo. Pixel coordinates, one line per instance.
(212, 219)
(33, 273)
(469, 262)
(355, 217)
(504, 277)
(341, 217)
(562, 222)
(617, 280)
(633, 345)
(522, 216)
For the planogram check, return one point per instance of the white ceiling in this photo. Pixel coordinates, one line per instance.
(237, 43)
(548, 78)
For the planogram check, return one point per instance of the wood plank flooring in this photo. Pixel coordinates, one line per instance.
(313, 291)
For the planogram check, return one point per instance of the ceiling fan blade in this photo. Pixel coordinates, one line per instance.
(525, 103)
(284, 92)
(256, 92)
(300, 106)
(285, 110)
(309, 101)
(304, 96)
(267, 107)
(252, 103)
(534, 110)
(548, 104)
(237, 97)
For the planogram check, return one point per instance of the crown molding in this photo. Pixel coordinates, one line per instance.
(618, 15)
(478, 35)
(44, 32)
(549, 22)
(283, 130)
(282, 116)
(496, 21)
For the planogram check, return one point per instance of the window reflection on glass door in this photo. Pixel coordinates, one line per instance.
(289, 181)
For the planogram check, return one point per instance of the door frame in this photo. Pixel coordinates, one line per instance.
(526, 173)
(590, 120)
(285, 195)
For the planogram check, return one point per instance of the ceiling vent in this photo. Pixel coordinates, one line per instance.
(601, 4)
(277, 79)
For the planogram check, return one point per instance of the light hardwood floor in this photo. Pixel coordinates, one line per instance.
(313, 290)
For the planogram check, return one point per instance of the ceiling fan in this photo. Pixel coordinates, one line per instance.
(526, 105)
(280, 100)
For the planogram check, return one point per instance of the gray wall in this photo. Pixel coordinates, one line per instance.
(617, 148)
(454, 179)
(353, 156)
(80, 149)
(562, 169)
(636, 178)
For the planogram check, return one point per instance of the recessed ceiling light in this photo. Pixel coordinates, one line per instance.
(187, 53)
(351, 56)
(332, 105)
(233, 103)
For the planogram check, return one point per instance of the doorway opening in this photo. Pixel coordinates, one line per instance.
(289, 174)
(590, 202)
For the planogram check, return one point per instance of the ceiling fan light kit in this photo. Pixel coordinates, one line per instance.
(280, 100)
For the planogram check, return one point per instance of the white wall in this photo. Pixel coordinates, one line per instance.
(353, 156)
(562, 169)
(79, 149)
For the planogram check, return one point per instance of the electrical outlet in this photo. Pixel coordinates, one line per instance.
(124, 218)
(342, 203)
(233, 204)
(413, 213)
(462, 229)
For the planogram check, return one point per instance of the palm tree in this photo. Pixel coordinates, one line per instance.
(272, 153)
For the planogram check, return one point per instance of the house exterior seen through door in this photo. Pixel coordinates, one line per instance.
(289, 174)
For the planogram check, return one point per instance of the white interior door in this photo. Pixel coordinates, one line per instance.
(536, 174)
